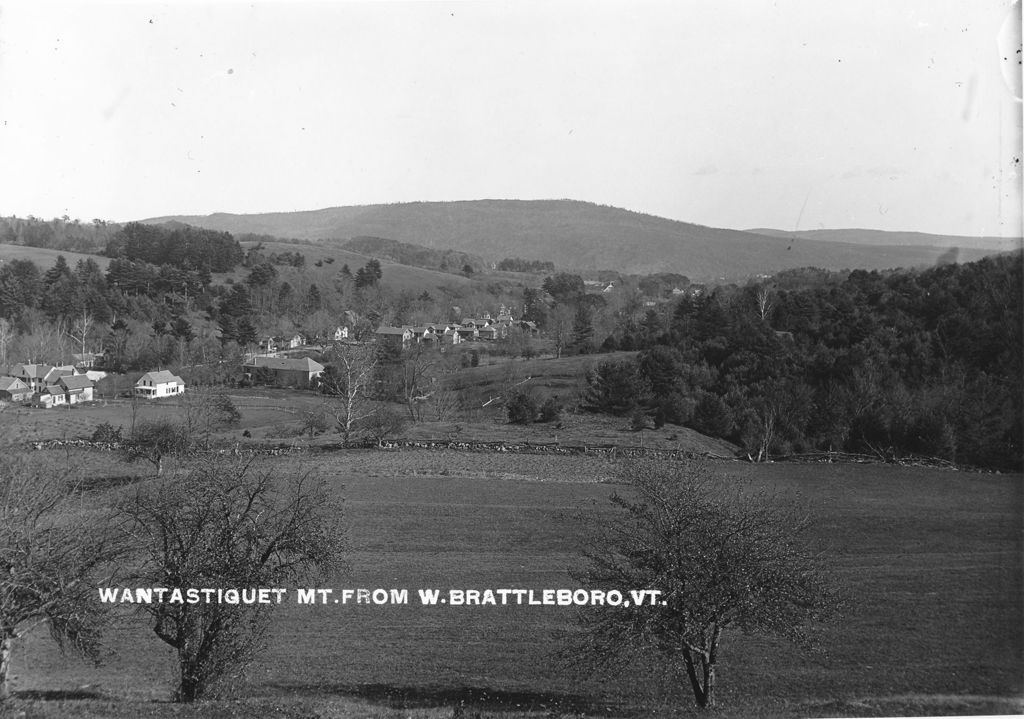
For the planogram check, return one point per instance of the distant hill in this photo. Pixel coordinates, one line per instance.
(915, 239)
(577, 235)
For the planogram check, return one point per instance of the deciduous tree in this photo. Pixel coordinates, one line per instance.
(721, 559)
(228, 524)
(53, 553)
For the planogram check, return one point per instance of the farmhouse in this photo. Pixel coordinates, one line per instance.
(56, 373)
(49, 397)
(284, 372)
(77, 388)
(394, 336)
(153, 385)
(340, 333)
(13, 389)
(34, 375)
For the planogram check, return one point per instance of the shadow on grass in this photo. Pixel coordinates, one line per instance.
(57, 695)
(424, 697)
(92, 484)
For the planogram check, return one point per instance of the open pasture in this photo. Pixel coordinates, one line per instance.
(45, 257)
(928, 561)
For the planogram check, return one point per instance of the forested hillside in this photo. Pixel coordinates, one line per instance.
(883, 363)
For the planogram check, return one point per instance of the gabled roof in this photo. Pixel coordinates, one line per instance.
(78, 381)
(57, 372)
(12, 384)
(303, 364)
(161, 377)
(33, 371)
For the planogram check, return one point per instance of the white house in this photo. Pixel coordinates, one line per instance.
(78, 388)
(341, 333)
(153, 385)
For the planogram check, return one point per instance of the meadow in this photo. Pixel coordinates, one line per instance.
(928, 562)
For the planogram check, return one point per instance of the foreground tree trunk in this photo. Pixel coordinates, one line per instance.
(6, 644)
(700, 668)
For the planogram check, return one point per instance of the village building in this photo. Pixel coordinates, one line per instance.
(394, 336)
(283, 371)
(154, 385)
(13, 389)
(77, 388)
(468, 332)
(49, 397)
(424, 335)
(34, 375)
(56, 373)
(86, 360)
(340, 333)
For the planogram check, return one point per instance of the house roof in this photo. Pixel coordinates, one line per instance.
(161, 377)
(303, 364)
(34, 371)
(57, 372)
(78, 381)
(11, 384)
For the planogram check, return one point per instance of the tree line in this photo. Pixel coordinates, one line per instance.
(896, 363)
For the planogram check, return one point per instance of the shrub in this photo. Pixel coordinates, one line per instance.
(521, 408)
(106, 433)
(551, 410)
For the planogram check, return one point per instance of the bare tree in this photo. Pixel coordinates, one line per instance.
(719, 561)
(80, 329)
(416, 367)
(53, 554)
(560, 323)
(228, 524)
(351, 371)
(206, 411)
(154, 440)
(764, 302)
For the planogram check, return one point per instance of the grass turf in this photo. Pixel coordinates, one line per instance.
(929, 561)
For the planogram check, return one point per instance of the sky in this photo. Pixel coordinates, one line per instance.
(793, 114)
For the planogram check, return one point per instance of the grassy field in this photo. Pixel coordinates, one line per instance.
(46, 258)
(929, 561)
(397, 277)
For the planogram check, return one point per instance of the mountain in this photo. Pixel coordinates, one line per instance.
(576, 235)
(915, 239)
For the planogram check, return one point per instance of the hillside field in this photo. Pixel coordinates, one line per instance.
(397, 277)
(46, 258)
(928, 561)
